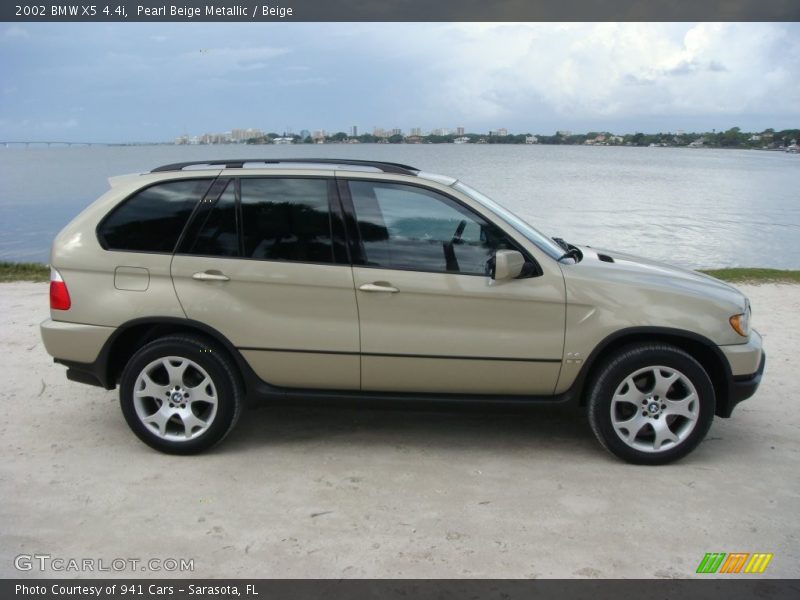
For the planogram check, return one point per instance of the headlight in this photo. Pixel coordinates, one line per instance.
(741, 322)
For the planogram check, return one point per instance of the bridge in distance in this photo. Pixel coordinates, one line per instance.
(28, 143)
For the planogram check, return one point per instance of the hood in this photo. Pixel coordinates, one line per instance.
(610, 264)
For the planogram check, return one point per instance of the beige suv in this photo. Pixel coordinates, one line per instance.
(198, 285)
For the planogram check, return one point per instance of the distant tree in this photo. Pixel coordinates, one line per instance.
(339, 136)
(396, 139)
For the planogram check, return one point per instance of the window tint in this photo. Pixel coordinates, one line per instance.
(152, 220)
(286, 219)
(405, 227)
(218, 235)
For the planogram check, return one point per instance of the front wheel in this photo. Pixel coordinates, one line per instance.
(180, 394)
(651, 404)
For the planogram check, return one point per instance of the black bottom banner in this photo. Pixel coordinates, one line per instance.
(383, 589)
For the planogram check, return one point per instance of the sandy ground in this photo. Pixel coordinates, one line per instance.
(357, 492)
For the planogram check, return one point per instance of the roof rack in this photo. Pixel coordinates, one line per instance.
(238, 163)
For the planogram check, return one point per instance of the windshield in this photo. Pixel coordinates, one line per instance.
(538, 238)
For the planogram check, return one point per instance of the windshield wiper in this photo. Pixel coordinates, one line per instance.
(571, 251)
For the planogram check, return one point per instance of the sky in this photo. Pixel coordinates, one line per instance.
(129, 82)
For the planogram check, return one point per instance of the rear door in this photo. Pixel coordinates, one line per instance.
(264, 263)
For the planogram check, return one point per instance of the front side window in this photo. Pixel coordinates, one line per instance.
(152, 220)
(406, 227)
(286, 219)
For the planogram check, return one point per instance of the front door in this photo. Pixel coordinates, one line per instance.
(431, 318)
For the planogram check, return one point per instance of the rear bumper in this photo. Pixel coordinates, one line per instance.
(78, 347)
(75, 342)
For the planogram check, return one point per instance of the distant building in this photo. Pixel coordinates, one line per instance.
(397, 131)
(283, 140)
(242, 135)
(531, 139)
(459, 131)
(304, 133)
(461, 140)
(354, 131)
(212, 138)
(416, 131)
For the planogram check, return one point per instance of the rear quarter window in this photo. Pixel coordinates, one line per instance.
(152, 219)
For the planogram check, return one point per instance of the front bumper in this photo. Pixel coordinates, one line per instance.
(744, 386)
(746, 367)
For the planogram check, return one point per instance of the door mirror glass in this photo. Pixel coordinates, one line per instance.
(507, 264)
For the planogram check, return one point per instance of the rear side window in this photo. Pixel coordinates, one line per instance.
(152, 219)
(218, 235)
(286, 219)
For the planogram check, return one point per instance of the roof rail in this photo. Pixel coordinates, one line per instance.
(238, 163)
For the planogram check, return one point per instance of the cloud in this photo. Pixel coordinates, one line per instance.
(534, 77)
(619, 70)
(58, 125)
(15, 32)
(228, 58)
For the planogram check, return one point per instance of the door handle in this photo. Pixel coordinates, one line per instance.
(378, 287)
(210, 276)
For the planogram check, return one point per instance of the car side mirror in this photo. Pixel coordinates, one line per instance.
(507, 264)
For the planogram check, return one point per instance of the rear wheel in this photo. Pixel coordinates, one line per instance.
(181, 394)
(651, 404)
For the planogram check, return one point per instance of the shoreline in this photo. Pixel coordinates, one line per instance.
(11, 272)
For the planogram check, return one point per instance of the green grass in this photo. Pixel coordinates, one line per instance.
(10, 271)
(754, 275)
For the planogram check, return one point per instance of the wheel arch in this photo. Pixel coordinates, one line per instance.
(134, 334)
(699, 347)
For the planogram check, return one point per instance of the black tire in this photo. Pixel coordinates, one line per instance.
(644, 359)
(202, 358)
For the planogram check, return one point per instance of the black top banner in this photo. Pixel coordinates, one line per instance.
(402, 10)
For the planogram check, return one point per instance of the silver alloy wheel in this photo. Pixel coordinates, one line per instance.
(654, 409)
(175, 398)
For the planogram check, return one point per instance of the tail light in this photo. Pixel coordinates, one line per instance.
(59, 295)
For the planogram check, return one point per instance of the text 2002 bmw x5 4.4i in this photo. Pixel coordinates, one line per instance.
(197, 285)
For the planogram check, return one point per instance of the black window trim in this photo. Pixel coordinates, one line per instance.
(210, 200)
(334, 209)
(136, 192)
(340, 205)
(358, 257)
